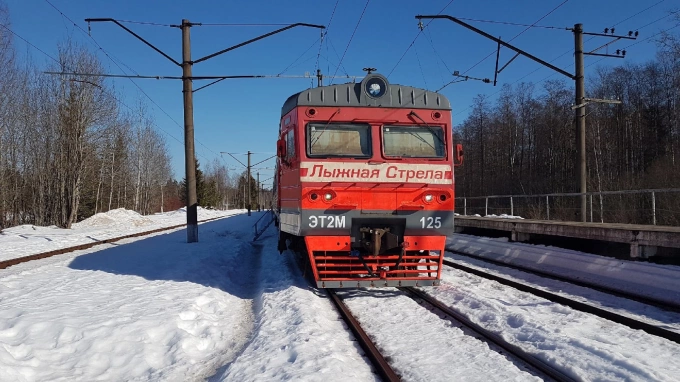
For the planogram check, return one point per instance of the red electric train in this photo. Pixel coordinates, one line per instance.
(364, 183)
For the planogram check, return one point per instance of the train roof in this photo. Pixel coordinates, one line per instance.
(372, 91)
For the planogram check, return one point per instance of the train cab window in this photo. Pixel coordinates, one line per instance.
(290, 145)
(414, 141)
(339, 140)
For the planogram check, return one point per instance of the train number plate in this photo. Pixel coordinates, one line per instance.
(323, 221)
(430, 222)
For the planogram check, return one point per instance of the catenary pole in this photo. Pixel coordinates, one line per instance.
(580, 114)
(190, 163)
(578, 77)
(248, 181)
(189, 153)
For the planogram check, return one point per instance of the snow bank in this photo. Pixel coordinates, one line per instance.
(661, 282)
(117, 216)
(503, 216)
(28, 240)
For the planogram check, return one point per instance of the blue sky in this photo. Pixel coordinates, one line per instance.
(240, 115)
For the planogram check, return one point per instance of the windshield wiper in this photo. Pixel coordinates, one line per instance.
(413, 113)
(311, 146)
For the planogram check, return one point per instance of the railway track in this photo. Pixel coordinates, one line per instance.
(614, 292)
(387, 373)
(577, 305)
(8, 263)
(540, 368)
(512, 350)
(382, 367)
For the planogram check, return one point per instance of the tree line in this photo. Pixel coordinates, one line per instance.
(525, 143)
(70, 147)
(216, 189)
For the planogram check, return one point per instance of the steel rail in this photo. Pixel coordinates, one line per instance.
(372, 352)
(612, 291)
(494, 338)
(580, 306)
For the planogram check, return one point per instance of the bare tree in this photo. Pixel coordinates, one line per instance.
(82, 108)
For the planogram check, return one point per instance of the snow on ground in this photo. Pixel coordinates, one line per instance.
(26, 240)
(226, 309)
(422, 346)
(581, 345)
(298, 333)
(161, 309)
(650, 314)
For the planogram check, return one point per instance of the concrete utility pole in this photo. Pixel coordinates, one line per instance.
(249, 167)
(578, 77)
(189, 153)
(580, 115)
(258, 191)
(248, 180)
(187, 77)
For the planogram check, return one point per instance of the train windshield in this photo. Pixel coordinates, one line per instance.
(414, 141)
(338, 139)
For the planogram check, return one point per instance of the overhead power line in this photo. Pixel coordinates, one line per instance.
(339, 65)
(324, 34)
(429, 39)
(640, 12)
(571, 51)
(138, 76)
(192, 78)
(511, 23)
(351, 37)
(519, 34)
(652, 36)
(145, 23)
(244, 24)
(303, 53)
(29, 43)
(187, 92)
(414, 40)
(115, 61)
(578, 77)
(92, 40)
(204, 24)
(103, 90)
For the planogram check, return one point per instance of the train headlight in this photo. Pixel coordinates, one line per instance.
(375, 85)
(328, 196)
(428, 198)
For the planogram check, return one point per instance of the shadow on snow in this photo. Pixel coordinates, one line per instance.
(224, 256)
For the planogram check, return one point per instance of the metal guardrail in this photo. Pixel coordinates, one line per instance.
(260, 230)
(652, 192)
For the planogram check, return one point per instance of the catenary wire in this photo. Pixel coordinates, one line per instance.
(137, 85)
(324, 33)
(351, 37)
(517, 35)
(571, 51)
(58, 62)
(414, 40)
(511, 23)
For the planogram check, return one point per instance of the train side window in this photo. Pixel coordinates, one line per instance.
(290, 145)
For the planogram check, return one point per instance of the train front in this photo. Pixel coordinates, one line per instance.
(370, 186)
